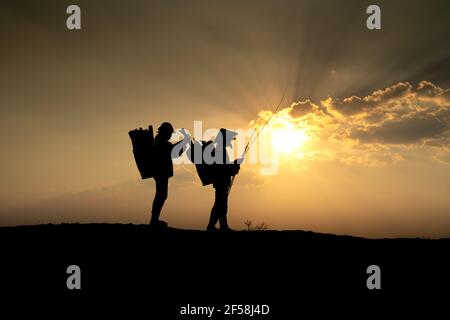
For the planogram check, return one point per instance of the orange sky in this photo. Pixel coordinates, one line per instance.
(374, 107)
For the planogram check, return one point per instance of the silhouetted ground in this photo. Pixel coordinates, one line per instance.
(288, 270)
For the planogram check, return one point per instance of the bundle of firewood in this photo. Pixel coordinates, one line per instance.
(143, 150)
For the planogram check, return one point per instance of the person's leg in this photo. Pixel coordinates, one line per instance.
(222, 213)
(162, 184)
(214, 217)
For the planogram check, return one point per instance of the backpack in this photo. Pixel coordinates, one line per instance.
(195, 152)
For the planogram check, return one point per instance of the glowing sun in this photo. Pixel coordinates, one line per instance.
(288, 140)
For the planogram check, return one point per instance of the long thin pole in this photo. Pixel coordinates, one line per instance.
(250, 141)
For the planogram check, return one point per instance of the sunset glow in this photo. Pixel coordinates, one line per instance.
(356, 136)
(288, 139)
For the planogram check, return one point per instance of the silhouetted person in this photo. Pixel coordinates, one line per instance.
(223, 172)
(163, 169)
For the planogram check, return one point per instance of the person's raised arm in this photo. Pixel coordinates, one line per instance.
(179, 147)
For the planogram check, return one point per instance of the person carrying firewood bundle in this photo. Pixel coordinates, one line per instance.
(164, 152)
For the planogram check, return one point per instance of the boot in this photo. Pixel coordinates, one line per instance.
(224, 225)
(211, 229)
(226, 229)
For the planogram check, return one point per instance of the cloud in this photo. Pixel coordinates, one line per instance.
(396, 91)
(373, 129)
(404, 131)
(402, 114)
(301, 108)
(354, 104)
(442, 157)
(428, 89)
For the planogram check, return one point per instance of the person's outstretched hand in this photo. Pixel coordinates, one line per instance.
(186, 135)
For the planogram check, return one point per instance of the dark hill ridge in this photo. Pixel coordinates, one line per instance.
(189, 266)
(144, 229)
(94, 228)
